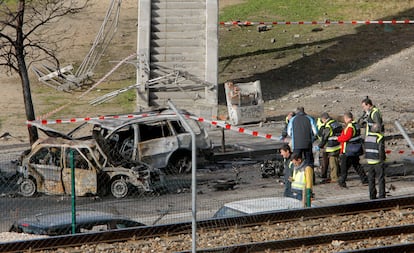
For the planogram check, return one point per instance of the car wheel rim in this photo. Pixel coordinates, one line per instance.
(119, 188)
(184, 165)
(180, 166)
(27, 188)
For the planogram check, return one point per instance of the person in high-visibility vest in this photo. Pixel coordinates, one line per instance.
(331, 129)
(374, 148)
(302, 180)
(351, 149)
(323, 156)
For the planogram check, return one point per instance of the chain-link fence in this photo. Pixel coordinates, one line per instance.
(248, 170)
(37, 184)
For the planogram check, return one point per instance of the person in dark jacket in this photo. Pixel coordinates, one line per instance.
(331, 129)
(374, 149)
(303, 130)
(323, 156)
(286, 153)
(284, 131)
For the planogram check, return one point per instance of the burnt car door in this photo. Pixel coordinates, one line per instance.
(157, 141)
(85, 171)
(46, 163)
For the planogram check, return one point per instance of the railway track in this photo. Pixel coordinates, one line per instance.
(330, 242)
(398, 211)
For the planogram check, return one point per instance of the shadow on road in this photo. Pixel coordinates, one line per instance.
(344, 54)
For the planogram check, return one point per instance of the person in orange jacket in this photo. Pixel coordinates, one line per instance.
(349, 155)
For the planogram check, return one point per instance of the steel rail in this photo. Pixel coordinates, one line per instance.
(185, 227)
(290, 244)
(408, 247)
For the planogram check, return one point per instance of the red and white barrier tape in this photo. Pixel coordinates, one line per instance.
(131, 116)
(86, 119)
(242, 130)
(400, 152)
(234, 128)
(327, 22)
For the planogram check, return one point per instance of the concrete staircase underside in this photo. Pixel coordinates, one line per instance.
(178, 54)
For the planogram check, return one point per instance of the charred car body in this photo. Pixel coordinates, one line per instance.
(47, 169)
(160, 140)
(157, 138)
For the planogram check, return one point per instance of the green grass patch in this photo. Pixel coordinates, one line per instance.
(284, 57)
(294, 56)
(296, 10)
(278, 10)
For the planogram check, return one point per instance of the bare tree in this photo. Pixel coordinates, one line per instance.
(22, 41)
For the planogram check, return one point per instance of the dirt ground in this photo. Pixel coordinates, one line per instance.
(387, 82)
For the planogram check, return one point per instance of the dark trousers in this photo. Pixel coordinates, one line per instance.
(306, 154)
(288, 185)
(345, 163)
(376, 171)
(324, 164)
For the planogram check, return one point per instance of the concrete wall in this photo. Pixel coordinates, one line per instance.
(178, 55)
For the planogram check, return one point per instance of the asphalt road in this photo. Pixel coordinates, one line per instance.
(174, 205)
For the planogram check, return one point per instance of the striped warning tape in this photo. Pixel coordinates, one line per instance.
(243, 130)
(401, 152)
(86, 119)
(326, 22)
(234, 128)
(40, 123)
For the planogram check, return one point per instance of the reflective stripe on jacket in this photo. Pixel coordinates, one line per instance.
(333, 144)
(352, 133)
(302, 177)
(299, 180)
(375, 117)
(373, 139)
(372, 148)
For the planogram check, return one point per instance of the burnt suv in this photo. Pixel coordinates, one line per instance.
(47, 168)
(159, 139)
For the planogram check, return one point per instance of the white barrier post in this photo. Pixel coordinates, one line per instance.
(405, 135)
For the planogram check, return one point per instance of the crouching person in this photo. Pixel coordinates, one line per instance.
(302, 180)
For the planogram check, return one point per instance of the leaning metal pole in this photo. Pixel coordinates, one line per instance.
(193, 178)
(405, 135)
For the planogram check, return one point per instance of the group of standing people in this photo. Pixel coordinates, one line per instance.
(341, 148)
(298, 156)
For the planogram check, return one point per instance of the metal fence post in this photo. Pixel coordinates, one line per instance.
(72, 173)
(193, 178)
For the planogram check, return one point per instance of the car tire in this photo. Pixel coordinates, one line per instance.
(119, 188)
(180, 165)
(27, 187)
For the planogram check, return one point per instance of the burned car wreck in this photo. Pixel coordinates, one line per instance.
(157, 138)
(160, 140)
(47, 169)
